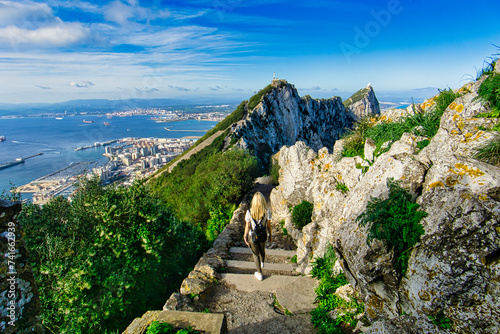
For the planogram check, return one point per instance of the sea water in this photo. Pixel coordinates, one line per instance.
(58, 138)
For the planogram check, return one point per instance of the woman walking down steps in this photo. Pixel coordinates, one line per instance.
(258, 227)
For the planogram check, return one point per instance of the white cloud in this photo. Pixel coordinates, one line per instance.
(34, 24)
(118, 12)
(58, 35)
(123, 13)
(27, 15)
(82, 84)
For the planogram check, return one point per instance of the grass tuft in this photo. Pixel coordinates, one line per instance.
(490, 153)
(422, 124)
(346, 311)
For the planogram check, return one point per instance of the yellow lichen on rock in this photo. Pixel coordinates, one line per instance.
(424, 295)
(436, 184)
(483, 197)
(450, 181)
(460, 108)
(466, 171)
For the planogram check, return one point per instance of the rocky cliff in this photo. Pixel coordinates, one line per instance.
(453, 272)
(363, 103)
(283, 117)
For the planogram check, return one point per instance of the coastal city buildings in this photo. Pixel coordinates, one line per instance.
(129, 160)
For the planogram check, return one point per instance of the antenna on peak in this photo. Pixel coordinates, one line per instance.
(274, 75)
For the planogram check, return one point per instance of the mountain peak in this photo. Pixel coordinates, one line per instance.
(278, 116)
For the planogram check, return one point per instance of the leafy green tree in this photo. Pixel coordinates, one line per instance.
(106, 257)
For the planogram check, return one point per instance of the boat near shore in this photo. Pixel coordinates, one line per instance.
(2, 138)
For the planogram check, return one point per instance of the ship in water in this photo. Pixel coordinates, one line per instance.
(88, 122)
(2, 138)
(106, 123)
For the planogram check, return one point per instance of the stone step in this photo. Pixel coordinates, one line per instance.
(272, 252)
(294, 293)
(208, 323)
(247, 266)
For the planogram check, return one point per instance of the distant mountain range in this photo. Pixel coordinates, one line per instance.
(90, 106)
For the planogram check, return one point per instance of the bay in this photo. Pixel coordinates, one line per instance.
(57, 139)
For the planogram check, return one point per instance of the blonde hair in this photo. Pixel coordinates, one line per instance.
(258, 206)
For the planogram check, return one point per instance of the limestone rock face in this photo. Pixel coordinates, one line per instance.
(283, 118)
(363, 103)
(454, 271)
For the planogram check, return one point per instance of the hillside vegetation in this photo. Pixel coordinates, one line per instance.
(106, 257)
(213, 180)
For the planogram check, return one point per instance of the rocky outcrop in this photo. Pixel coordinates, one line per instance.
(283, 117)
(19, 299)
(363, 103)
(454, 271)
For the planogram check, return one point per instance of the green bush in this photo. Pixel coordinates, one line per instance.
(395, 220)
(328, 301)
(302, 214)
(157, 327)
(283, 228)
(275, 170)
(199, 185)
(220, 216)
(106, 257)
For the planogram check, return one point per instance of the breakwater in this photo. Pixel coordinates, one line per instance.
(18, 161)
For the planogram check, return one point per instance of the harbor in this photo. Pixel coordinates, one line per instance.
(18, 161)
(97, 144)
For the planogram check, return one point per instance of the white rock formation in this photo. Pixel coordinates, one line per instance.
(363, 103)
(455, 269)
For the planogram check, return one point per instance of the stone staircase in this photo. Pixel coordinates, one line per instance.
(222, 295)
(277, 261)
(293, 293)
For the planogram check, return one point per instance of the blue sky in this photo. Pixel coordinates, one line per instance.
(58, 50)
